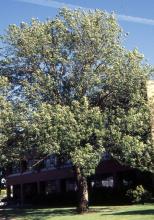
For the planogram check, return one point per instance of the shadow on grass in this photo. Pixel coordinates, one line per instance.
(137, 212)
(41, 213)
(44, 213)
(36, 214)
(134, 212)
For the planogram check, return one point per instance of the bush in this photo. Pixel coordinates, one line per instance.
(138, 195)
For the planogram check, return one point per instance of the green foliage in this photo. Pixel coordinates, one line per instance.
(12, 125)
(52, 66)
(60, 60)
(124, 99)
(75, 132)
(139, 194)
(6, 114)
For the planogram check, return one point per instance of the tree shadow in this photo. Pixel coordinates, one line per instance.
(35, 214)
(134, 212)
(100, 209)
(137, 212)
(43, 213)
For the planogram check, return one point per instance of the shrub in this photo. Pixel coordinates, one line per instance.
(138, 195)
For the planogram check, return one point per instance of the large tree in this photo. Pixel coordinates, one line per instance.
(75, 133)
(62, 69)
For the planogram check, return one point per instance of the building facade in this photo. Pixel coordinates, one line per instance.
(54, 183)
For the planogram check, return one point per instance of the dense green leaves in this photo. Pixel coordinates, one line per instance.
(59, 71)
(61, 59)
(75, 132)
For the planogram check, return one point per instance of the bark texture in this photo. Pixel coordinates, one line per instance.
(82, 191)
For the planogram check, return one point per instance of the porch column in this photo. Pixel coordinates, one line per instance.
(117, 181)
(21, 194)
(38, 188)
(62, 185)
(8, 189)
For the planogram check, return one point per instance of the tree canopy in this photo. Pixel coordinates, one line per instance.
(77, 91)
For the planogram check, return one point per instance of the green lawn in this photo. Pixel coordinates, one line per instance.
(134, 212)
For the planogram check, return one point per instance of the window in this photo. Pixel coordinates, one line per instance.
(71, 185)
(51, 187)
(15, 169)
(106, 182)
(30, 164)
(67, 163)
(50, 162)
(106, 156)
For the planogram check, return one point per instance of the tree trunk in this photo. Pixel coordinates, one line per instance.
(82, 191)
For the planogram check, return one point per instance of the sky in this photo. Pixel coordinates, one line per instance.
(136, 17)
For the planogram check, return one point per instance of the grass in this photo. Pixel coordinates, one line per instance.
(134, 212)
